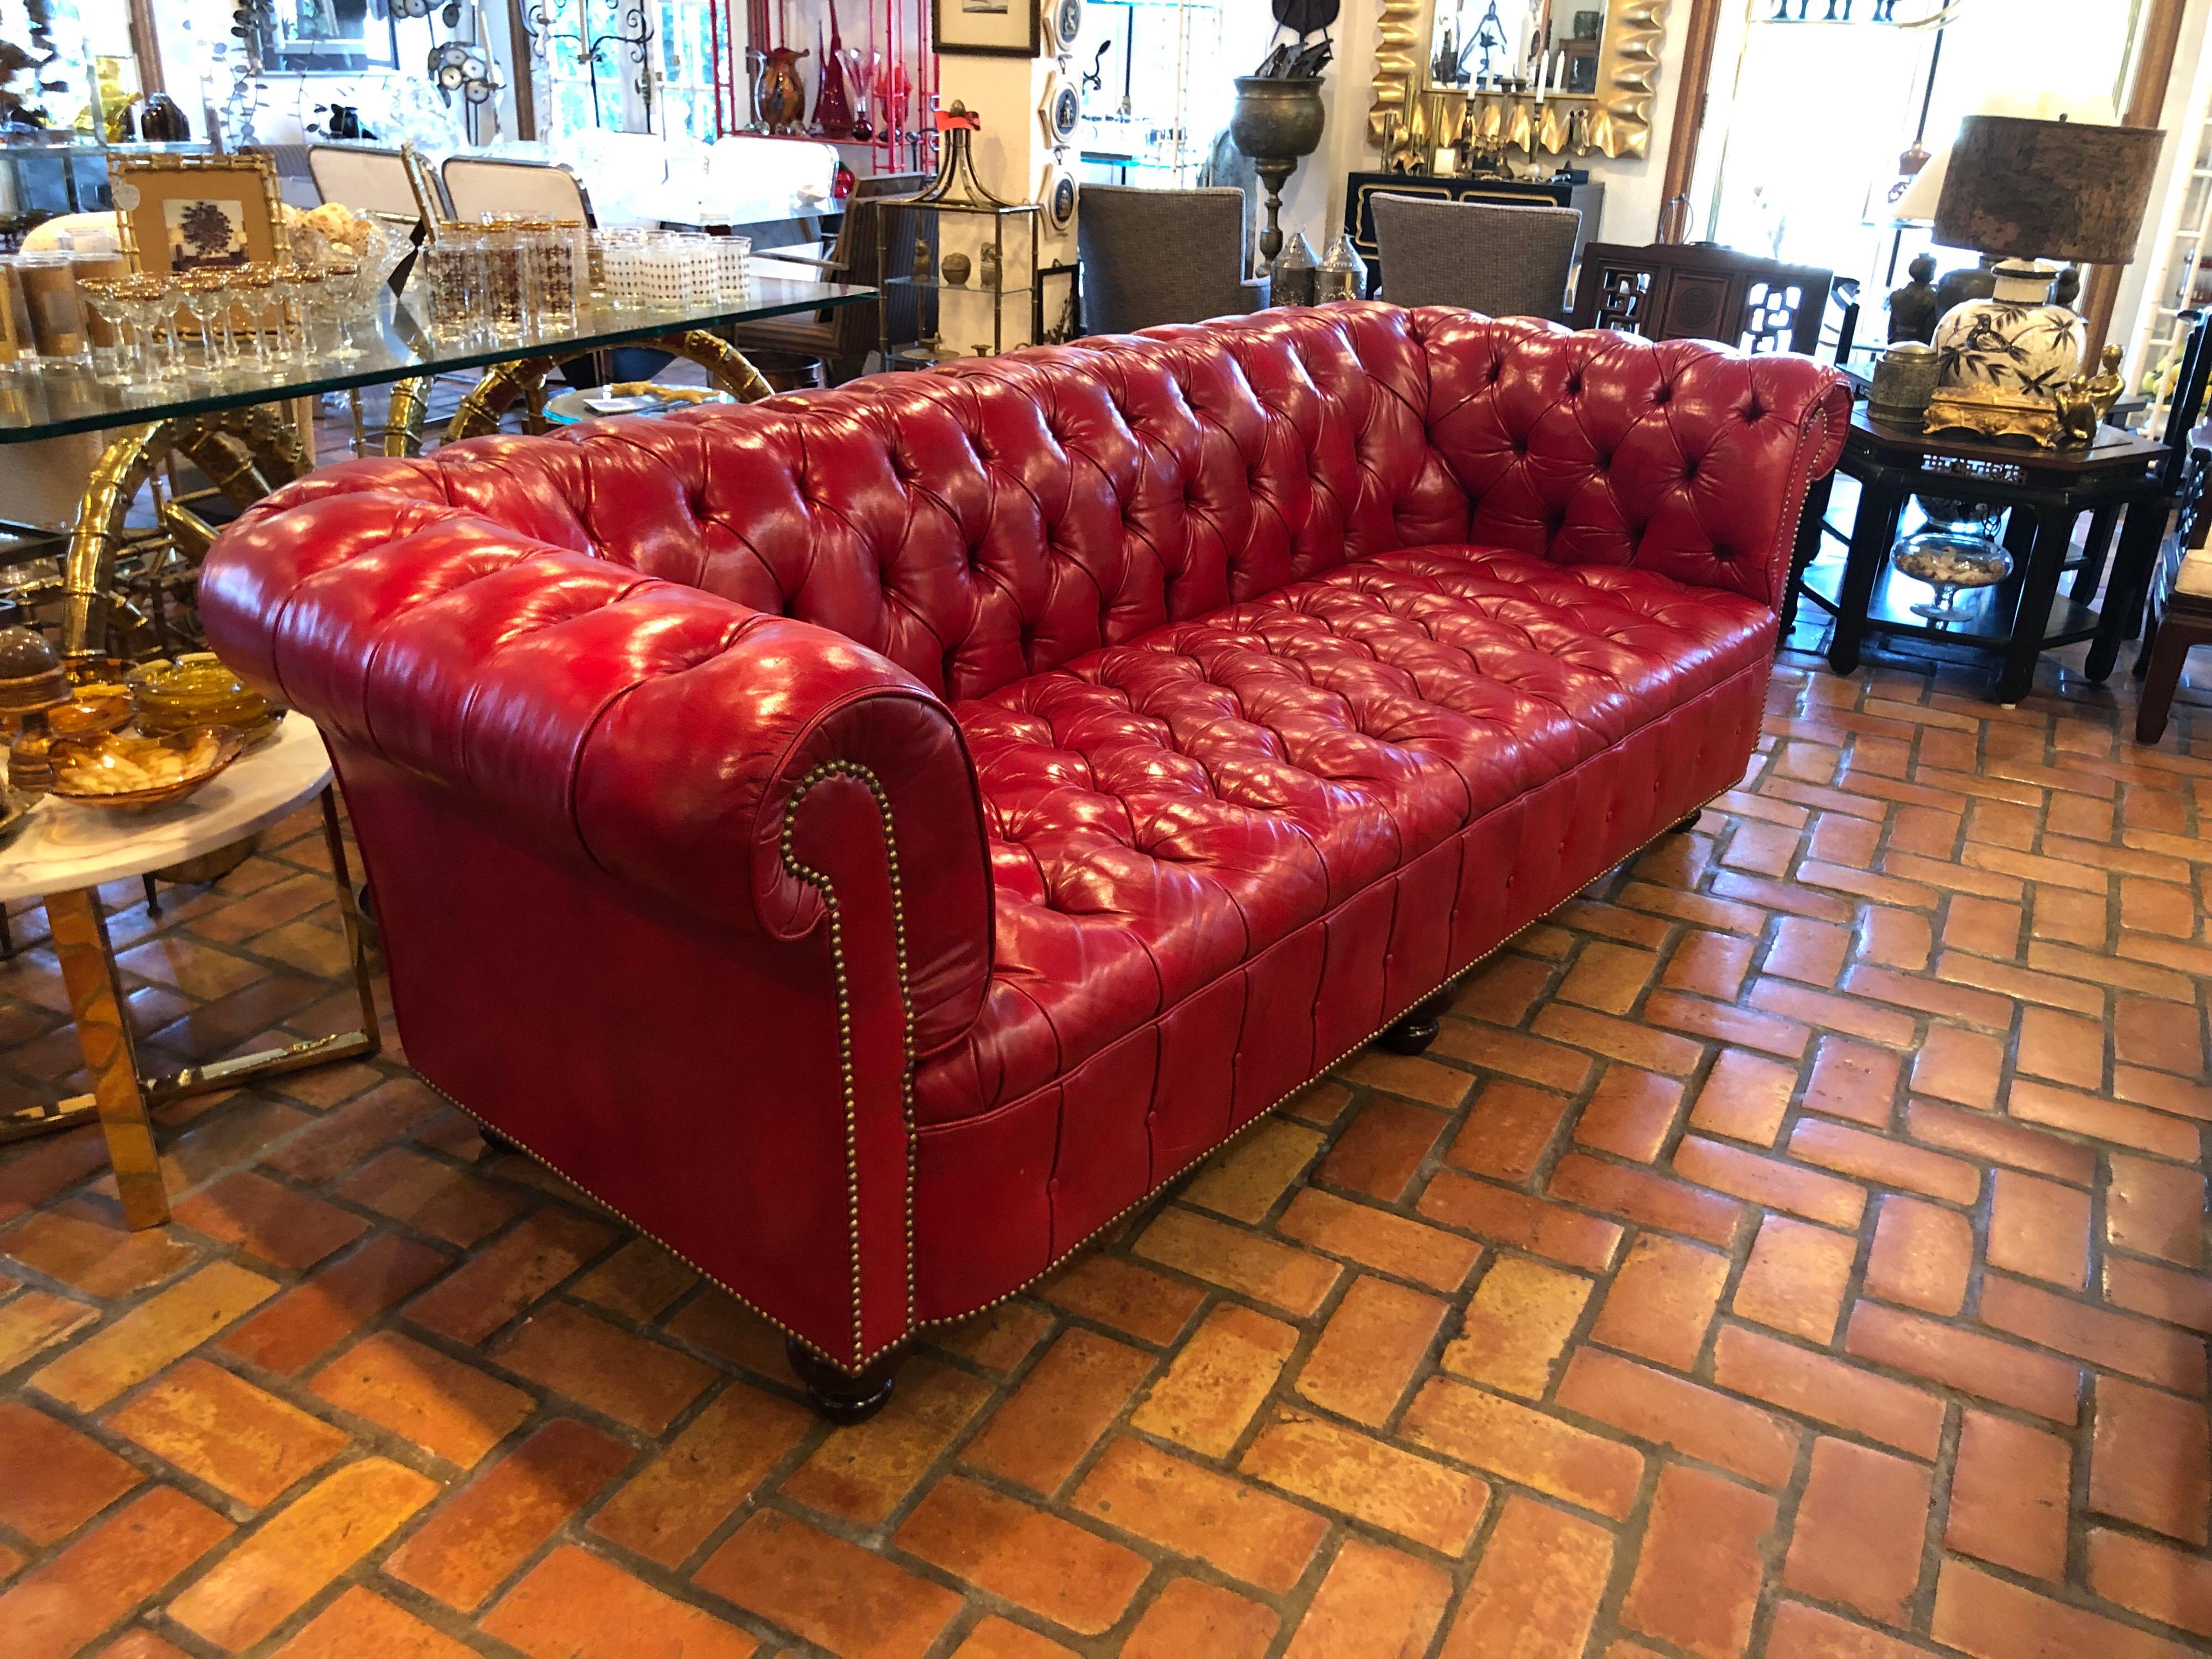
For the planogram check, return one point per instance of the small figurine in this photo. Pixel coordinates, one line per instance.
(2078, 419)
(1912, 308)
(2106, 384)
(991, 265)
(922, 261)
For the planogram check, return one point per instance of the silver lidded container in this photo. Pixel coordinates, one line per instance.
(1342, 274)
(1292, 275)
(1905, 379)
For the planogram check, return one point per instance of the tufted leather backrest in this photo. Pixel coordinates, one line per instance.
(995, 521)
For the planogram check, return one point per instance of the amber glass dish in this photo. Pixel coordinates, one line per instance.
(199, 691)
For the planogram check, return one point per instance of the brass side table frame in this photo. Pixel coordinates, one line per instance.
(123, 1098)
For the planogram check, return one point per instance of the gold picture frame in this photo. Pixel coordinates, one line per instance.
(187, 212)
(1620, 108)
(429, 205)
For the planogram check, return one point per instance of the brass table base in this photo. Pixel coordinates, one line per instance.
(121, 1098)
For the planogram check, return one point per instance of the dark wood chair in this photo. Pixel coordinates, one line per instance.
(845, 336)
(1672, 291)
(2180, 589)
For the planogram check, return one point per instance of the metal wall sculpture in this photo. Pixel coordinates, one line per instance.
(1619, 122)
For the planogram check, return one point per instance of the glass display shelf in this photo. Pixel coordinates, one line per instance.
(54, 400)
(943, 287)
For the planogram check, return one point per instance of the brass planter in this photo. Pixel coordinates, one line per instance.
(1278, 123)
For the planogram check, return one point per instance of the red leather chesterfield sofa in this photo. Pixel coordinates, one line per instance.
(872, 839)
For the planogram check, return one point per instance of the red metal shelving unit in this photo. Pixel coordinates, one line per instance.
(897, 30)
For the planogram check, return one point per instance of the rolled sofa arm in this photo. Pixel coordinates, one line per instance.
(662, 735)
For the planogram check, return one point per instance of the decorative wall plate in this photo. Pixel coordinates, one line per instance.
(1063, 22)
(1059, 197)
(1061, 112)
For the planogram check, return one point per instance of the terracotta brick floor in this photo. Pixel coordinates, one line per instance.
(1793, 1246)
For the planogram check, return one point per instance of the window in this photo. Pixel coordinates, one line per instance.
(1793, 186)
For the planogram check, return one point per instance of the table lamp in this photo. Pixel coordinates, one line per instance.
(2029, 192)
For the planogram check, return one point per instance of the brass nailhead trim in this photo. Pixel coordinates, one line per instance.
(898, 919)
(822, 884)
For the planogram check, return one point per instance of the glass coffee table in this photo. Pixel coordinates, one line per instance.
(237, 427)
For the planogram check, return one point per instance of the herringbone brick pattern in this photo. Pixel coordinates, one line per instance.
(1794, 1246)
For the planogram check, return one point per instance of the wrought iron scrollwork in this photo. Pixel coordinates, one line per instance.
(623, 30)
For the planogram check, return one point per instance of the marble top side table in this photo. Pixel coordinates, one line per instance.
(62, 855)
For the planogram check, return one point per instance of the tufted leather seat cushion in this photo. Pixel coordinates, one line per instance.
(1161, 812)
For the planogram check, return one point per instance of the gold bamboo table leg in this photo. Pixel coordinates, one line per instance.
(121, 1097)
(96, 1003)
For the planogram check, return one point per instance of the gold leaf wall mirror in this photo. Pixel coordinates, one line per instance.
(1437, 62)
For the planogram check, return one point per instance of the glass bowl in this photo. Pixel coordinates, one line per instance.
(1949, 562)
(126, 772)
(94, 709)
(198, 689)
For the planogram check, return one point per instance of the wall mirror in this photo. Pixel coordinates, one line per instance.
(1595, 63)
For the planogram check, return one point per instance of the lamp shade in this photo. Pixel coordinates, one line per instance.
(2048, 190)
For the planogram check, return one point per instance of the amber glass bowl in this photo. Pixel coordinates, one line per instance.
(199, 691)
(127, 772)
(91, 710)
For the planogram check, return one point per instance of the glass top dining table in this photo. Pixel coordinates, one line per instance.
(52, 401)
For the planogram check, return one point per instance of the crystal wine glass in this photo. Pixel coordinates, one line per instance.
(286, 287)
(137, 361)
(254, 284)
(335, 299)
(152, 303)
(205, 293)
(111, 362)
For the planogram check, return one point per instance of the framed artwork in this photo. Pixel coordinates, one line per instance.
(988, 28)
(328, 37)
(197, 212)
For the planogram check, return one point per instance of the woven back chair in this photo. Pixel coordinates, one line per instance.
(1495, 257)
(1164, 256)
(844, 336)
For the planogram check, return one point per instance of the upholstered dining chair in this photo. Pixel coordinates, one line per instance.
(480, 184)
(1501, 259)
(1164, 256)
(363, 176)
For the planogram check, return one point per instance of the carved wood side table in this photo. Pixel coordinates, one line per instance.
(2046, 490)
